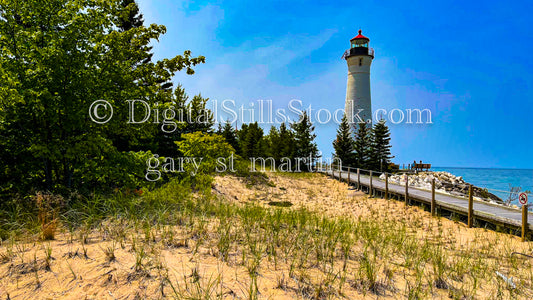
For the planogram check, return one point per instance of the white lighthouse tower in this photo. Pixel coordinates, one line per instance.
(359, 57)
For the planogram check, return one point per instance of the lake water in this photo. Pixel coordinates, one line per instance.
(496, 180)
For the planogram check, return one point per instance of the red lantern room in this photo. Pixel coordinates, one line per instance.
(359, 46)
(360, 40)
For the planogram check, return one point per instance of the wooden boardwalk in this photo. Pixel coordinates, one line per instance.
(485, 211)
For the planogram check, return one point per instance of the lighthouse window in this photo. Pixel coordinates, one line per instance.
(360, 61)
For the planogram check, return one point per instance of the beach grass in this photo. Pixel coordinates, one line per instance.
(226, 240)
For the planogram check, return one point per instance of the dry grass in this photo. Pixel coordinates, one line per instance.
(49, 206)
(333, 242)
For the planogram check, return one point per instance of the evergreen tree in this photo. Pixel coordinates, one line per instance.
(251, 141)
(305, 147)
(129, 17)
(76, 55)
(190, 116)
(180, 99)
(199, 117)
(241, 138)
(280, 143)
(274, 140)
(230, 135)
(344, 144)
(373, 161)
(381, 146)
(287, 142)
(363, 144)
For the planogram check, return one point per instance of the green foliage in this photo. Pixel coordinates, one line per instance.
(363, 143)
(109, 171)
(305, 147)
(371, 146)
(251, 141)
(273, 140)
(290, 143)
(230, 135)
(381, 154)
(344, 144)
(190, 116)
(57, 58)
(281, 143)
(287, 142)
(129, 17)
(210, 148)
(199, 118)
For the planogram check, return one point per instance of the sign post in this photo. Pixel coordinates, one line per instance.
(522, 198)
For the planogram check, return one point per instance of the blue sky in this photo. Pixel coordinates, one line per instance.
(468, 62)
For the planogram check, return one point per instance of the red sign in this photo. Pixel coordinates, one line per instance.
(522, 198)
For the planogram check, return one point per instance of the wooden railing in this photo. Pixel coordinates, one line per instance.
(491, 213)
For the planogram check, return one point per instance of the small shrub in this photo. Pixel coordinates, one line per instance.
(280, 203)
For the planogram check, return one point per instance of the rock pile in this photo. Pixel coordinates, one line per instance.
(445, 183)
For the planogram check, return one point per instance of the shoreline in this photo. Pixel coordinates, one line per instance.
(446, 183)
(484, 168)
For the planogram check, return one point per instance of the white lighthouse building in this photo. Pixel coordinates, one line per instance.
(359, 57)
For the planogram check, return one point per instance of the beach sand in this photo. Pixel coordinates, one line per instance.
(79, 267)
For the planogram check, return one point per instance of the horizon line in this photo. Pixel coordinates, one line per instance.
(488, 168)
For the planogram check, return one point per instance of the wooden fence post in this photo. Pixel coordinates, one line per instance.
(433, 203)
(358, 180)
(524, 222)
(406, 189)
(370, 185)
(386, 186)
(470, 207)
(348, 180)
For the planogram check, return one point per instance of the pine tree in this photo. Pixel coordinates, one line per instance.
(241, 139)
(381, 146)
(77, 54)
(344, 144)
(363, 144)
(286, 142)
(305, 147)
(251, 141)
(281, 143)
(229, 134)
(190, 116)
(274, 144)
(130, 16)
(198, 116)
